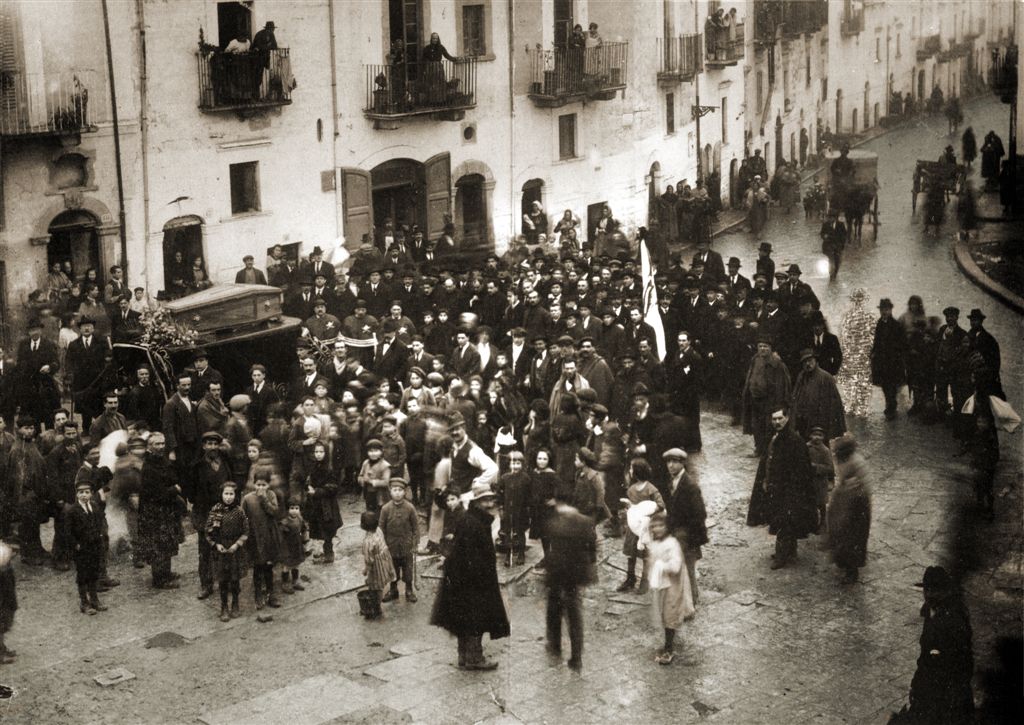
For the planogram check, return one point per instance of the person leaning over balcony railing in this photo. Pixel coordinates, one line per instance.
(435, 88)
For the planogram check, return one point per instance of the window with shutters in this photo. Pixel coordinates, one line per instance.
(567, 136)
(245, 187)
(670, 113)
(474, 41)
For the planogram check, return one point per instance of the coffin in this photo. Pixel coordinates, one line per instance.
(227, 307)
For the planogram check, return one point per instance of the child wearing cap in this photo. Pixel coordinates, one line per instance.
(374, 476)
(401, 528)
(227, 528)
(85, 526)
(513, 491)
(824, 474)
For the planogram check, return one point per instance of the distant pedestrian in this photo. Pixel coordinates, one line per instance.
(968, 146)
(887, 357)
(849, 511)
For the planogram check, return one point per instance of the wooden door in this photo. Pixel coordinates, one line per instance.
(437, 178)
(357, 205)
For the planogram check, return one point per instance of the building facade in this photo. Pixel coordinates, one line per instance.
(350, 119)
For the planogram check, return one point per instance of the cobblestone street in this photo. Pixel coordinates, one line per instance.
(790, 646)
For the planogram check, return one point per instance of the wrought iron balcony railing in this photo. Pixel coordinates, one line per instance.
(438, 87)
(44, 104)
(679, 59)
(727, 49)
(237, 81)
(929, 46)
(561, 75)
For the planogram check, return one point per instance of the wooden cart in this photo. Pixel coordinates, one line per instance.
(929, 175)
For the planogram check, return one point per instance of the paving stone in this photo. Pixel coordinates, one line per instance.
(113, 677)
(307, 702)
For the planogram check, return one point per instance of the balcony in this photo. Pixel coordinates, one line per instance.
(962, 49)
(243, 81)
(564, 75)
(44, 104)
(928, 47)
(728, 48)
(852, 24)
(800, 17)
(767, 19)
(679, 59)
(443, 90)
(1002, 74)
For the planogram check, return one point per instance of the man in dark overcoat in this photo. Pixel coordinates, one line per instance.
(686, 512)
(571, 559)
(888, 353)
(32, 386)
(784, 494)
(85, 363)
(160, 509)
(469, 602)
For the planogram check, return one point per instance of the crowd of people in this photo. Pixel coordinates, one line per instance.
(531, 387)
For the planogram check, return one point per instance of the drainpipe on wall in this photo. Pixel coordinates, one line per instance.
(117, 139)
(513, 214)
(339, 228)
(140, 12)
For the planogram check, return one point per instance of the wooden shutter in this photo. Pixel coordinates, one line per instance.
(438, 181)
(357, 202)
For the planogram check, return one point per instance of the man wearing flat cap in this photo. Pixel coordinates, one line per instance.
(888, 357)
(202, 490)
(249, 274)
(322, 326)
(687, 514)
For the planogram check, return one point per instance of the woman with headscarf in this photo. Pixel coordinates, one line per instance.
(435, 88)
(991, 152)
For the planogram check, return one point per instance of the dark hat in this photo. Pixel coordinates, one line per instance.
(390, 325)
(766, 339)
(320, 274)
(397, 481)
(885, 304)
(35, 323)
(606, 311)
(585, 338)
(419, 371)
(955, 311)
(599, 410)
(627, 353)
(805, 354)
(640, 389)
(83, 483)
(734, 262)
(518, 332)
(306, 282)
(794, 269)
(935, 577)
(247, 257)
(817, 318)
(374, 443)
(587, 396)
(316, 250)
(212, 435)
(360, 303)
(84, 321)
(455, 420)
(199, 354)
(816, 429)
(976, 314)
(319, 300)
(760, 274)
(765, 247)
(566, 340)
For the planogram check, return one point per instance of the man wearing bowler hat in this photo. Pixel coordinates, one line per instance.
(816, 400)
(765, 264)
(85, 362)
(940, 691)
(888, 353)
(981, 341)
(469, 602)
(734, 278)
(316, 265)
(952, 377)
(204, 375)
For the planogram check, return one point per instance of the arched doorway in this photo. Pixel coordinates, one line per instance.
(182, 234)
(653, 187)
(733, 191)
(533, 190)
(839, 110)
(73, 236)
(471, 210)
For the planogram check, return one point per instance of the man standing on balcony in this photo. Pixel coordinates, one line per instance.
(262, 43)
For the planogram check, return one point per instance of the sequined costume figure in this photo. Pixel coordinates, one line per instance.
(855, 335)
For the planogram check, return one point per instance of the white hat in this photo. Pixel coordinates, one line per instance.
(481, 490)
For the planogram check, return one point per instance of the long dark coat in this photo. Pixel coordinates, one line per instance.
(888, 352)
(160, 507)
(784, 494)
(321, 510)
(469, 602)
(849, 514)
(571, 561)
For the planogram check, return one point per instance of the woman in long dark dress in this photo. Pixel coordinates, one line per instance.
(435, 90)
(969, 146)
(991, 153)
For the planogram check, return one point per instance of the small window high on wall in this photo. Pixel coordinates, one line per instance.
(245, 187)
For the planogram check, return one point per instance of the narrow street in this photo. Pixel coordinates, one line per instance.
(790, 646)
